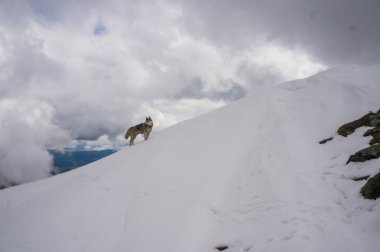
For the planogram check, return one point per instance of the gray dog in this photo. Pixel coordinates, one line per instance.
(143, 128)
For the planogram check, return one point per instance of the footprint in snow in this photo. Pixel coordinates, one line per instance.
(289, 236)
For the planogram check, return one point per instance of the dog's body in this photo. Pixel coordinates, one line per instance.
(143, 128)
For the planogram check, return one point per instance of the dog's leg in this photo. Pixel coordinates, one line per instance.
(132, 142)
(147, 135)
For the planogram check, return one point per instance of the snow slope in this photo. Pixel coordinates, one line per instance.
(250, 176)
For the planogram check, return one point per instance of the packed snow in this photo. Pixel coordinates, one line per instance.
(250, 176)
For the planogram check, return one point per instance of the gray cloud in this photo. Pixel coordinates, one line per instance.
(235, 92)
(195, 89)
(335, 32)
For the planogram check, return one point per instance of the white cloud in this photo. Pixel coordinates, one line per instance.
(27, 128)
(168, 112)
(265, 65)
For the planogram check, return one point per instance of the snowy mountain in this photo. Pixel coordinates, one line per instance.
(250, 176)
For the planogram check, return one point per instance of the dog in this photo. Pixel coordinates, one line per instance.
(143, 128)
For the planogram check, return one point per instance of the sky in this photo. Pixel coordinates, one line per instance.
(88, 70)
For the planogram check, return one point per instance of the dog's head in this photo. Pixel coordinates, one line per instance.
(149, 121)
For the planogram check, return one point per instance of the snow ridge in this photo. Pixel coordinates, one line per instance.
(250, 176)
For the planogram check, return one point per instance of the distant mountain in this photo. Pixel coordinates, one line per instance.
(250, 176)
(70, 159)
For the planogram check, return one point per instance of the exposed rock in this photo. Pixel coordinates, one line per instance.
(221, 247)
(375, 139)
(360, 178)
(372, 131)
(349, 128)
(375, 133)
(374, 119)
(365, 154)
(371, 190)
(326, 140)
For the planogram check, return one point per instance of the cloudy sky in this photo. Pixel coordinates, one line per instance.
(90, 69)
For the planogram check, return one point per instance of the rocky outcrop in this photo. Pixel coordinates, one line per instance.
(374, 120)
(349, 128)
(363, 155)
(371, 190)
(375, 133)
(371, 120)
(326, 140)
(361, 178)
(221, 247)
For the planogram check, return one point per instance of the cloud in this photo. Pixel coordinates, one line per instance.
(168, 112)
(334, 32)
(26, 130)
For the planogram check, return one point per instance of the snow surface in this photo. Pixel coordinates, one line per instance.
(250, 176)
